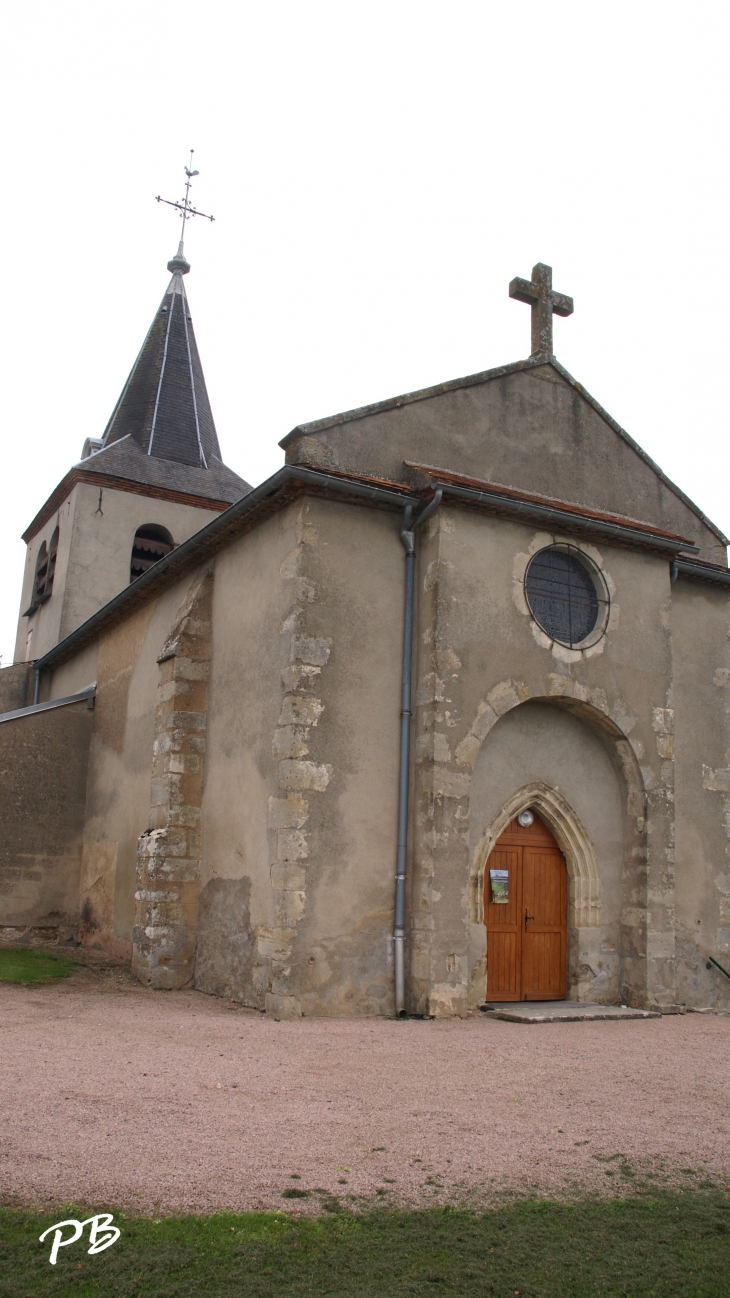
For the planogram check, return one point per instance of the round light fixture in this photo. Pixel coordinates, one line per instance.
(525, 819)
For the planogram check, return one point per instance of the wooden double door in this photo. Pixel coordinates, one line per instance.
(527, 934)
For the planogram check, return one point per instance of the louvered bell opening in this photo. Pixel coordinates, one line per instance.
(41, 578)
(151, 543)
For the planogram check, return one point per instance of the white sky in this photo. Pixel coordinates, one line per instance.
(379, 170)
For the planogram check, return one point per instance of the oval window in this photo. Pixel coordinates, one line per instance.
(567, 596)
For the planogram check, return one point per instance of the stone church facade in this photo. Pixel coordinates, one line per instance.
(241, 793)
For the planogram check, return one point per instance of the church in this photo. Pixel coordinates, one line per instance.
(436, 716)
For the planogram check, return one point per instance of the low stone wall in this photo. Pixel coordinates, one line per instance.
(43, 766)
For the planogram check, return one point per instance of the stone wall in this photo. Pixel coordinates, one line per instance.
(168, 858)
(43, 768)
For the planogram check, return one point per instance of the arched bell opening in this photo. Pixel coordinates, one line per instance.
(45, 569)
(151, 543)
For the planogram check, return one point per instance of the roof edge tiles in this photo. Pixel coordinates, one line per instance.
(287, 484)
(498, 493)
(101, 480)
(700, 570)
(486, 376)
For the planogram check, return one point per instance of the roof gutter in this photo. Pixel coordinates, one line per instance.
(206, 542)
(698, 571)
(563, 518)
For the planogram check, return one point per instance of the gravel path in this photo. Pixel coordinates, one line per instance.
(116, 1096)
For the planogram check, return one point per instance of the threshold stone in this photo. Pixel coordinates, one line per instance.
(562, 1012)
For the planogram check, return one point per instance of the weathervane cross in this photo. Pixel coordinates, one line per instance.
(186, 209)
(544, 303)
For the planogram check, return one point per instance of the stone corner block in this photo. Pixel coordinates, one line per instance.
(282, 1007)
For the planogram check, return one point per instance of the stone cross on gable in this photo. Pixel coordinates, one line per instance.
(544, 302)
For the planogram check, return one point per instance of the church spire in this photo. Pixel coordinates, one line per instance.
(164, 404)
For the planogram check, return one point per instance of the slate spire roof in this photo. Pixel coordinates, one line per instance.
(164, 404)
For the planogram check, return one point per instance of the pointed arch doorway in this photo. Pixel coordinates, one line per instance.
(527, 934)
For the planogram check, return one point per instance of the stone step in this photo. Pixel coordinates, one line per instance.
(562, 1012)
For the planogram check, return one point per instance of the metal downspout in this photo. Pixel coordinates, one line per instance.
(408, 538)
(37, 690)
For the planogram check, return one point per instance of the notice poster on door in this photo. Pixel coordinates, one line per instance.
(499, 880)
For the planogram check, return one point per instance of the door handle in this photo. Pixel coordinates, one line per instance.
(527, 918)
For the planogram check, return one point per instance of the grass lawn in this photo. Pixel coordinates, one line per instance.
(673, 1244)
(25, 964)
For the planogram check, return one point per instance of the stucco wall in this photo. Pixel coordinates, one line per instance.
(120, 767)
(16, 686)
(253, 593)
(94, 554)
(72, 677)
(43, 764)
(700, 629)
(299, 810)
(356, 567)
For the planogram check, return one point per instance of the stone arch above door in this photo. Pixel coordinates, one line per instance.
(558, 757)
(572, 839)
(467, 794)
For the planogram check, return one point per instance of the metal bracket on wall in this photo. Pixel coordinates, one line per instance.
(712, 961)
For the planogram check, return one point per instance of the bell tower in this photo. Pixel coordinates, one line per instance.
(153, 478)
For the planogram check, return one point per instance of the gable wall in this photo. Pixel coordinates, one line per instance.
(530, 430)
(481, 657)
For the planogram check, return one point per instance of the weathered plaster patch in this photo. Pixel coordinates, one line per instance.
(314, 651)
(304, 775)
(288, 816)
(433, 746)
(289, 741)
(431, 689)
(717, 781)
(290, 812)
(296, 711)
(447, 660)
(300, 677)
(447, 1000)
(445, 784)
